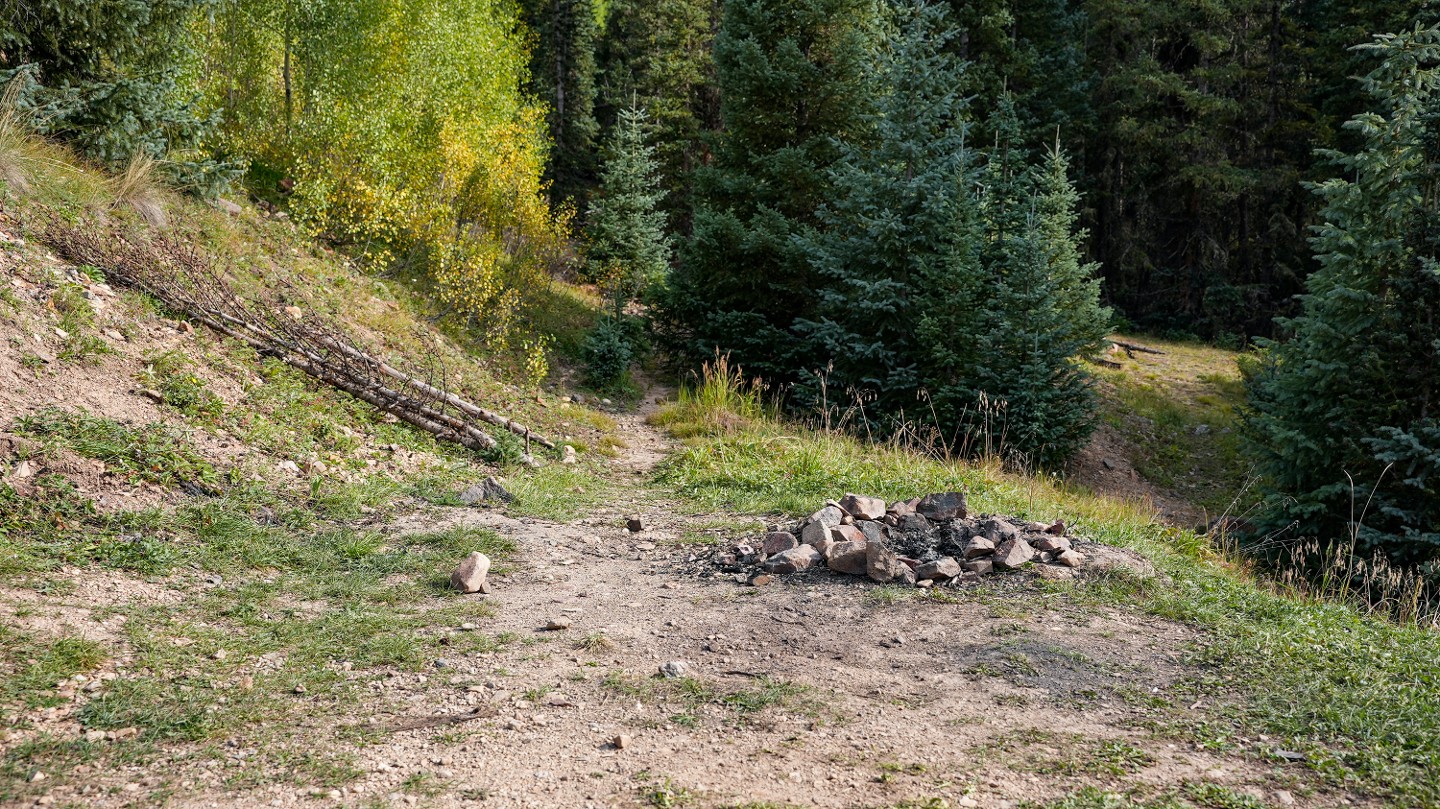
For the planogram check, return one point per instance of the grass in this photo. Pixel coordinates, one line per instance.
(1359, 695)
(693, 695)
(155, 453)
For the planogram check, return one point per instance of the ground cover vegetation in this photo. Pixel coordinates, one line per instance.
(905, 217)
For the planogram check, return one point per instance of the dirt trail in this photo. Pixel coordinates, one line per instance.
(1001, 698)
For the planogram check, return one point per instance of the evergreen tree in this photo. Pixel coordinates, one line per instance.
(106, 76)
(629, 248)
(791, 76)
(563, 72)
(1003, 346)
(1346, 413)
(890, 224)
(657, 53)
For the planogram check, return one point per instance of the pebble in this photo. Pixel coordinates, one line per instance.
(674, 669)
(621, 742)
(556, 624)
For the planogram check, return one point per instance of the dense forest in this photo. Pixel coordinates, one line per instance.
(899, 206)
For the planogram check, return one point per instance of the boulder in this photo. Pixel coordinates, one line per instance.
(863, 508)
(778, 541)
(1070, 558)
(848, 557)
(872, 531)
(1012, 553)
(846, 533)
(487, 490)
(469, 577)
(902, 508)
(829, 516)
(941, 507)
(798, 558)
(814, 532)
(942, 568)
(1051, 544)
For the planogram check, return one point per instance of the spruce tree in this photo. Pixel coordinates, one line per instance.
(1017, 311)
(563, 73)
(657, 52)
(629, 248)
(1345, 414)
(791, 76)
(890, 221)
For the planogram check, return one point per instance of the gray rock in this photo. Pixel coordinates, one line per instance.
(863, 508)
(674, 669)
(1070, 558)
(872, 531)
(778, 541)
(943, 568)
(814, 532)
(1012, 553)
(943, 506)
(978, 547)
(830, 516)
(470, 576)
(801, 557)
(568, 455)
(998, 531)
(882, 565)
(980, 567)
(487, 490)
(847, 557)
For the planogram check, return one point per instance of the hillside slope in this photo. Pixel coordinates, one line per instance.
(222, 584)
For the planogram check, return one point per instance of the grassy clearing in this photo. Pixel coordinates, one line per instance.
(1180, 409)
(1359, 696)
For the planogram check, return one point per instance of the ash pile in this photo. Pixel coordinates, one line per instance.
(926, 542)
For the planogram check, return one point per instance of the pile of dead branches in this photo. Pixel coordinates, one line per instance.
(187, 282)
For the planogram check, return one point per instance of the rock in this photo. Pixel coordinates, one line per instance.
(568, 456)
(1012, 553)
(872, 531)
(847, 557)
(823, 545)
(777, 542)
(227, 206)
(1052, 544)
(1107, 463)
(998, 531)
(674, 669)
(882, 565)
(830, 516)
(1070, 558)
(902, 508)
(557, 624)
(798, 558)
(1058, 529)
(470, 576)
(914, 524)
(814, 532)
(1284, 798)
(846, 533)
(943, 568)
(295, 312)
(289, 466)
(863, 508)
(488, 489)
(761, 579)
(22, 471)
(980, 567)
(634, 525)
(620, 742)
(942, 507)
(978, 547)
(925, 584)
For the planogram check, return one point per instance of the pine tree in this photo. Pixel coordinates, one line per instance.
(890, 223)
(629, 248)
(1345, 422)
(1003, 349)
(657, 52)
(563, 72)
(791, 76)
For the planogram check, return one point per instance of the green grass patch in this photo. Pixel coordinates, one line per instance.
(32, 667)
(155, 453)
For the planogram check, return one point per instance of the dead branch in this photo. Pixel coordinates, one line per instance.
(1132, 348)
(186, 282)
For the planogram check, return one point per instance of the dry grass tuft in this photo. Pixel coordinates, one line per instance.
(16, 148)
(136, 187)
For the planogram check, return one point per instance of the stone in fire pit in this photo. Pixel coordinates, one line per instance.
(926, 541)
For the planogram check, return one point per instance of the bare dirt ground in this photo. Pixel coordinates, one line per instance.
(1003, 697)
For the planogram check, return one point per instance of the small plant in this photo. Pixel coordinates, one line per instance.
(169, 373)
(667, 795)
(595, 642)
